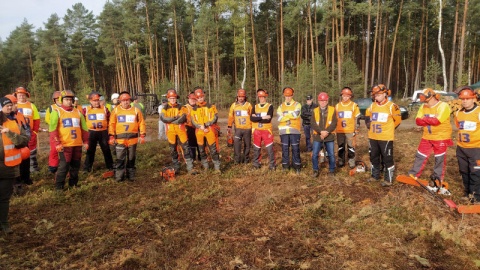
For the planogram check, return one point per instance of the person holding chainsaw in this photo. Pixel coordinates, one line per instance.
(126, 129)
(289, 129)
(434, 116)
(192, 138)
(382, 118)
(174, 115)
(204, 118)
(467, 121)
(262, 130)
(348, 114)
(69, 131)
(239, 114)
(97, 117)
(306, 113)
(323, 122)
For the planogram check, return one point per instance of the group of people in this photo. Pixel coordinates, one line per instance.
(192, 133)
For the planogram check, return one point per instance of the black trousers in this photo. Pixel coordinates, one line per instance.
(101, 138)
(381, 151)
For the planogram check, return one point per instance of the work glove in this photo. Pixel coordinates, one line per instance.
(111, 140)
(59, 148)
(85, 146)
(142, 139)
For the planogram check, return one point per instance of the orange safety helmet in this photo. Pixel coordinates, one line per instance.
(199, 93)
(288, 92)
(380, 88)
(94, 96)
(124, 96)
(21, 90)
(467, 93)
(12, 98)
(56, 95)
(66, 93)
(262, 93)
(192, 96)
(347, 91)
(427, 94)
(241, 93)
(323, 96)
(172, 93)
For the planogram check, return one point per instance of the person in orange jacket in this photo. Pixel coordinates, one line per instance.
(126, 128)
(239, 114)
(174, 115)
(382, 118)
(434, 116)
(30, 111)
(97, 117)
(12, 138)
(53, 154)
(204, 118)
(69, 131)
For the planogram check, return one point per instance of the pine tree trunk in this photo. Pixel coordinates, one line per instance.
(454, 43)
(462, 44)
(367, 57)
(444, 69)
(394, 43)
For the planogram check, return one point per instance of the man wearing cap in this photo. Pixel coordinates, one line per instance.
(162, 135)
(289, 129)
(239, 114)
(12, 137)
(97, 117)
(192, 138)
(307, 110)
(24, 173)
(30, 111)
(323, 122)
(69, 131)
(434, 116)
(262, 114)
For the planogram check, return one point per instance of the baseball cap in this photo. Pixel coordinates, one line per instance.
(309, 97)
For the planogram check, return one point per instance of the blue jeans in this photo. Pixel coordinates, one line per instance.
(317, 146)
(307, 130)
(294, 141)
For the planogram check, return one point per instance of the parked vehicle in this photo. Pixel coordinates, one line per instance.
(364, 103)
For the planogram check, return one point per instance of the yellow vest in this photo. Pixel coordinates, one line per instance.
(240, 114)
(70, 127)
(441, 111)
(29, 111)
(125, 122)
(262, 110)
(203, 114)
(346, 115)
(96, 118)
(293, 125)
(382, 126)
(468, 125)
(316, 116)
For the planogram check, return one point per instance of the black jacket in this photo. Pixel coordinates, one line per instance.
(306, 113)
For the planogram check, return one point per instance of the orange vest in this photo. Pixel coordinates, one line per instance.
(468, 124)
(240, 113)
(13, 156)
(262, 110)
(96, 118)
(292, 126)
(126, 122)
(70, 127)
(316, 116)
(346, 115)
(203, 114)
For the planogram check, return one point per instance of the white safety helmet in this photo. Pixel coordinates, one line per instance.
(114, 96)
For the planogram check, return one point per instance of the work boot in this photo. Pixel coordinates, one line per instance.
(341, 162)
(386, 183)
(119, 175)
(315, 174)
(4, 218)
(351, 163)
(189, 162)
(205, 164)
(216, 165)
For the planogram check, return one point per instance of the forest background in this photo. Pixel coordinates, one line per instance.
(147, 46)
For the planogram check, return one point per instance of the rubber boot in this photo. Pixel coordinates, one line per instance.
(4, 218)
(119, 173)
(271, 156)
(131, 174)
(256, 157)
